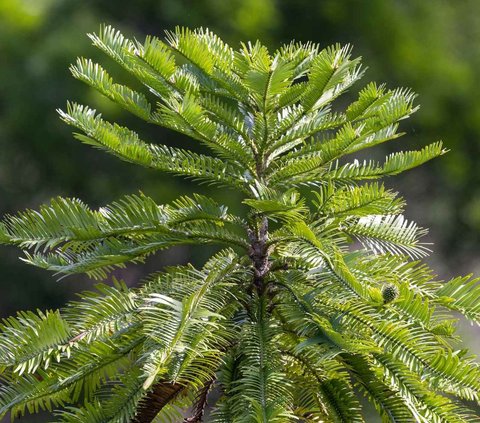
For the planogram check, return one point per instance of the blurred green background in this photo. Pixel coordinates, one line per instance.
(431, 46)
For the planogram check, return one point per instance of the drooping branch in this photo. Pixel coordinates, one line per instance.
(200, 404)
(159, 397)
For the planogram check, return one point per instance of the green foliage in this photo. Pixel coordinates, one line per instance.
(294, 318)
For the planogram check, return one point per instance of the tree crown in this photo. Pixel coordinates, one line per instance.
(314, 298)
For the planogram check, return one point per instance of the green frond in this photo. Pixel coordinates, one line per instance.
(361, 201)
(64, 219)
(295, 313)
(294, 127)
(394, 164)
(385, 106)
(426, 406)
(266, 81)
(70, 221)
(158, 56)
(235, 142)
(387, 402)
(300, 54)
(461, 294)
(152, 64)
(98, 261)
(95, 76)
(68, 380)
(194, 328)
(123, 401)
(388, 234)
(405, 160)
(14, 394)
(101, 312)
(211, 56)
(349, 138)
(100, 361)
(263, 392)
(325, 389)
(286, 207)
(90, 413)
(76, 239)
(369, 99)
(344, 276)
(227, 376)
(201, 47)
(331, 73)
(100, 315)
(318, 255)
(113, 43)
(317, 327)
(308, 165)
(153, 52)
(398, 270)
(32, 340)
(124, 143)
(415, 307)
(417, 348)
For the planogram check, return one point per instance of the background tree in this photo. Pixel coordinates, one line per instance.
(290, 318)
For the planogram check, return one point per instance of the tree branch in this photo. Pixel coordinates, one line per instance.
(201, 403)
(159, 397)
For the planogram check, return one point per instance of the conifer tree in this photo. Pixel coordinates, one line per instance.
(314, 299)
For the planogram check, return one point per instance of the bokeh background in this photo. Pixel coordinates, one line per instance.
(431, 46)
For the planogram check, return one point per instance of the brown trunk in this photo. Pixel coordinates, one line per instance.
(259, 254)
(158, 398)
